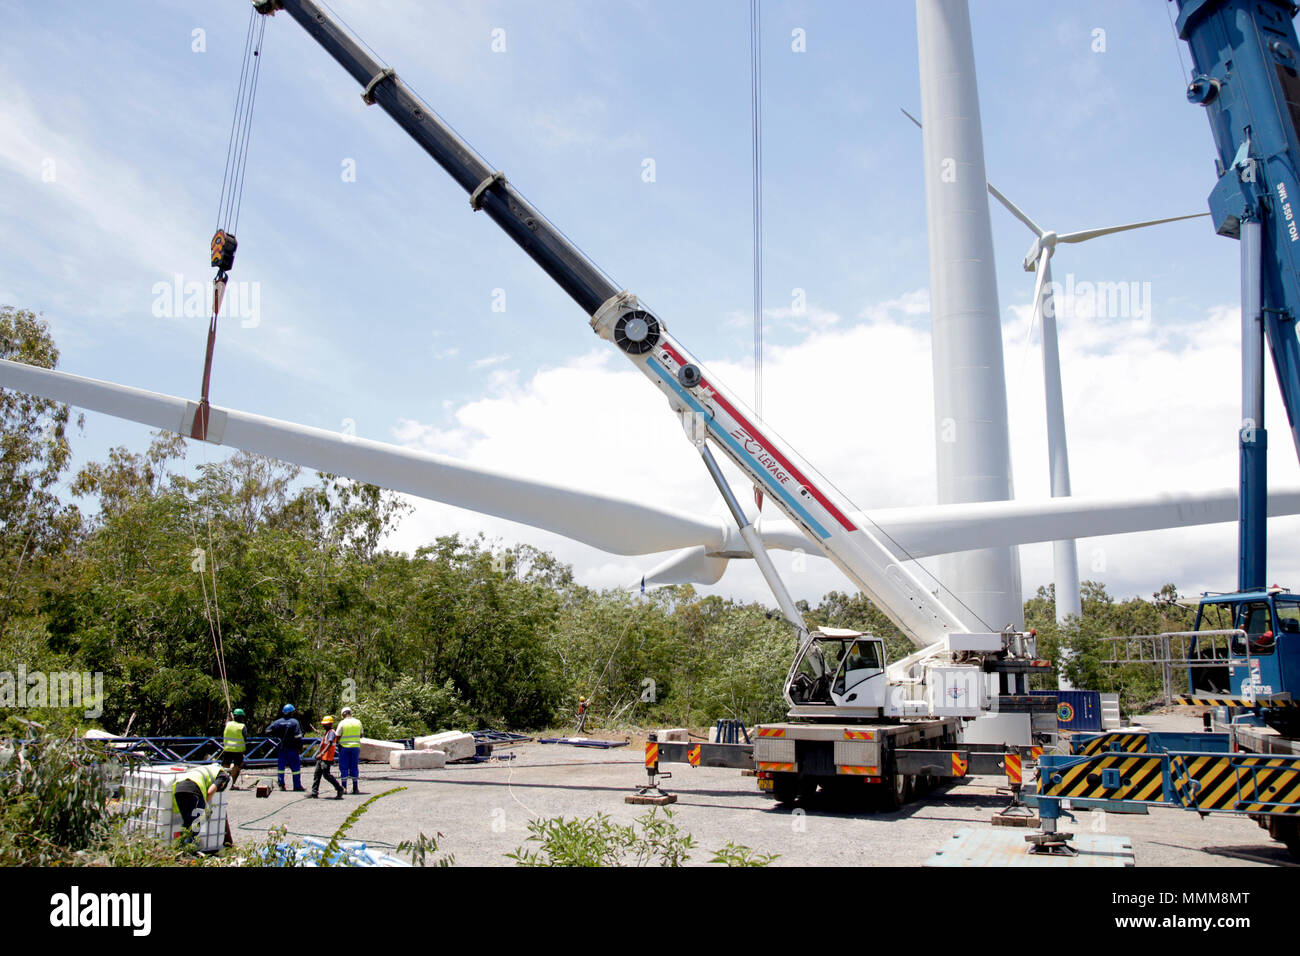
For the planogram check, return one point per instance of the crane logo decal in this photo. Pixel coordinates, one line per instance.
(755, 450)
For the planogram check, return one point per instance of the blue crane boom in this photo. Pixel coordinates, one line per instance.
(1247, 77)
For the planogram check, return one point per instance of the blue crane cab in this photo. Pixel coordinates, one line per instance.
(1261, 662)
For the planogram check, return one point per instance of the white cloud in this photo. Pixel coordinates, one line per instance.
(909, 304)
(489, 360)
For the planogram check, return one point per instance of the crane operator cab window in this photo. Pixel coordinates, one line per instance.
(861, 660)
(834, 671)
(1288, 622)
(1256, 620)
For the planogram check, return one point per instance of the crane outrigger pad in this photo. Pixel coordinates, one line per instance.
(1002, 847)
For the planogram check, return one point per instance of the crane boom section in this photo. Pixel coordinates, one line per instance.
(1246, 74)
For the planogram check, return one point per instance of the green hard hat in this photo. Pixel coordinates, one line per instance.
(239, 712)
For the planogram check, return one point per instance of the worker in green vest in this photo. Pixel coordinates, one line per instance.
(349, 749)
(194, 788)
(235, 745)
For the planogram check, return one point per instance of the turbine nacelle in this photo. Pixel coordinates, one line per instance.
(1044, 243)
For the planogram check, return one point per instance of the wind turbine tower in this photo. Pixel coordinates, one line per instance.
(970, 393)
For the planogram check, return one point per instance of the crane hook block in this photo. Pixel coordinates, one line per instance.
(223, 250)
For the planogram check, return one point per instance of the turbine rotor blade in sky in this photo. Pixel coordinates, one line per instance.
(1016, 211)
(1038, 302)
(1086, 234)
(616, 525)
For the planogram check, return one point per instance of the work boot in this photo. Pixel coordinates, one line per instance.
(280, 782)
(355, 790)
(339, 795)
(313, 795)
(297, 784)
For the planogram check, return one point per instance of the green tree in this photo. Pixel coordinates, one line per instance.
(35, 526)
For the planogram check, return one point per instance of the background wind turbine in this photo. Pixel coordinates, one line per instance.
(1039, 259)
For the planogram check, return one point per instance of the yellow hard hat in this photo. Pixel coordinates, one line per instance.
(327, 720)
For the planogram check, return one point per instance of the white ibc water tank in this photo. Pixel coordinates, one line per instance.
(147, 799)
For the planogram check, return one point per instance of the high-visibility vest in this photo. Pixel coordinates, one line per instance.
(328, 744)
(203, 777)
(350, 733)
(234, 737)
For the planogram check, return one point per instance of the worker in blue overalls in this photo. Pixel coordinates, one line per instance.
(287, 734)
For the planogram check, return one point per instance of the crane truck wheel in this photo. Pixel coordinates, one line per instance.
(785, 787)
(895, 792)
(1288, 832)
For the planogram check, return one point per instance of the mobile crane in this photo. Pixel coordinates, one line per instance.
(1244, 653)
(838, 681)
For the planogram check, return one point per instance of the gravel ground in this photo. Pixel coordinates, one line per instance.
(482, 812)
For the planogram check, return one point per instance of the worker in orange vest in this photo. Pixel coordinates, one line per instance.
(329, 743)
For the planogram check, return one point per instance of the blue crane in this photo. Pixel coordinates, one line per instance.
(1246, 75)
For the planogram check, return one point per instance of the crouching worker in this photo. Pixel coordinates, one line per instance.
(193, 790)
(325, 760)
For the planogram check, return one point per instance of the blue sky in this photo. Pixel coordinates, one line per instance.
(375, 296)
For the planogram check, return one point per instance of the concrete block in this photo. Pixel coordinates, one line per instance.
(455, 744)
(674, 735)
(417, 759)
(377, 751)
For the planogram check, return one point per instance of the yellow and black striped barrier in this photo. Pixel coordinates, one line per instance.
(1205, 782)
(1109, 742)
(1243, 783)
(1272, 702)
(1107, 776)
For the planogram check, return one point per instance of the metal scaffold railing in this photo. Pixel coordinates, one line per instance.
(1178, 649)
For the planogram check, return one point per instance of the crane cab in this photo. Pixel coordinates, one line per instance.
(1263, 660)
(839, 668)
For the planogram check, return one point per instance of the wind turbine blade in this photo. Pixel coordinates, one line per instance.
(692, 566)
(993, 190)
(922, 532)
(926, 531)
(1015, 210)
(1087, 234)
(617, 525)
(1040, 271)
